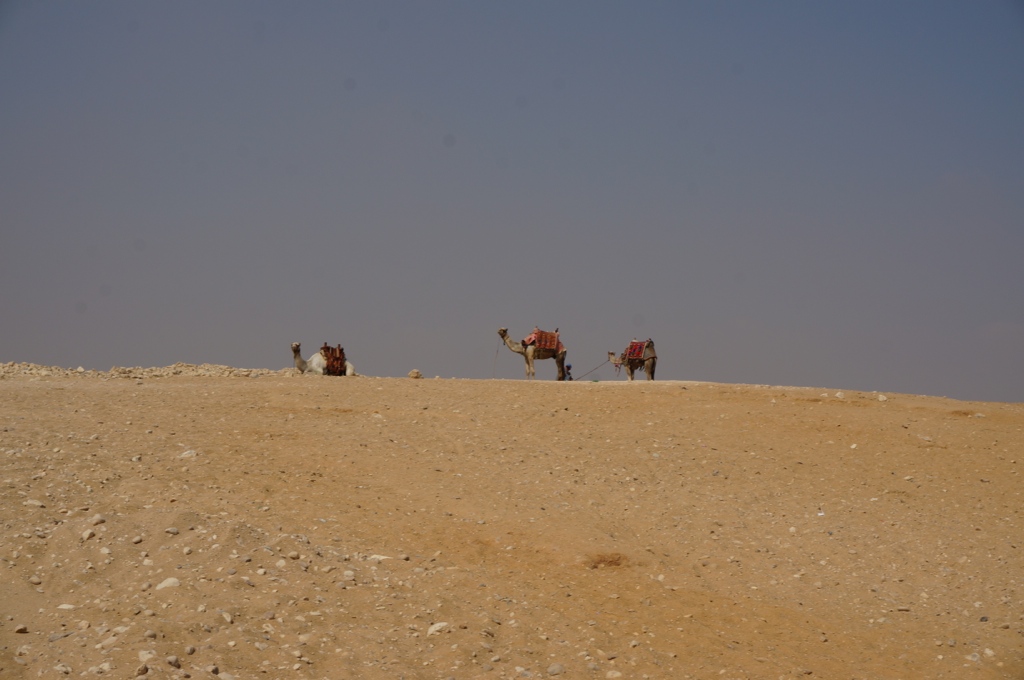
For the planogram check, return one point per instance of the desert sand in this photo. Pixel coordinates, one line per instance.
(193, 521)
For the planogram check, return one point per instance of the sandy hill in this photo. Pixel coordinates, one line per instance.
(191, 521)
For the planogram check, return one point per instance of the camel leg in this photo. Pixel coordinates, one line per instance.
(560, 361)
(651, 365)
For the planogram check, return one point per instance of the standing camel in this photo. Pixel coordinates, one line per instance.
(639, 354)
(531, 351)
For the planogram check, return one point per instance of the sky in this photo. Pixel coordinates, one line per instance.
(784, 193)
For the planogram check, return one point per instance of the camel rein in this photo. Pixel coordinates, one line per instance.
(592, 370)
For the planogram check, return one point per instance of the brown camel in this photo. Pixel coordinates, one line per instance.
(531, 352)
(648, 359)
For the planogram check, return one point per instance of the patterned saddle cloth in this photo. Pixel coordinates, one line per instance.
(638, 349)
(544, 340)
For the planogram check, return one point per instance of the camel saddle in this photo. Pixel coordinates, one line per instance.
(335, 358)
(640, 349)
(544, 340)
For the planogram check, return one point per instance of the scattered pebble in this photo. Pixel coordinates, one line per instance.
(437, 628)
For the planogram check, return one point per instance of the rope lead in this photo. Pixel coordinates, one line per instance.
(593, 369)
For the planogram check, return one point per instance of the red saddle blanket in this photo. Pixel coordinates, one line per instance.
(636, 349)
(544, 340)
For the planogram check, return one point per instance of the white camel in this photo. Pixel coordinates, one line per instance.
(317, 364)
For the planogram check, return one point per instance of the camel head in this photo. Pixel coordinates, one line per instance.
(296, 348)
(503, 332)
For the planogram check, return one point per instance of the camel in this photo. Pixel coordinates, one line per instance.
(531, 352)
(317, 364)
(648, 362)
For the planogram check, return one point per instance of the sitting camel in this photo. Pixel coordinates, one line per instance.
(647, 360)
(317, 364)
(530, 351)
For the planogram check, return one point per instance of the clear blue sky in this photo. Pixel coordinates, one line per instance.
(787, 193)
